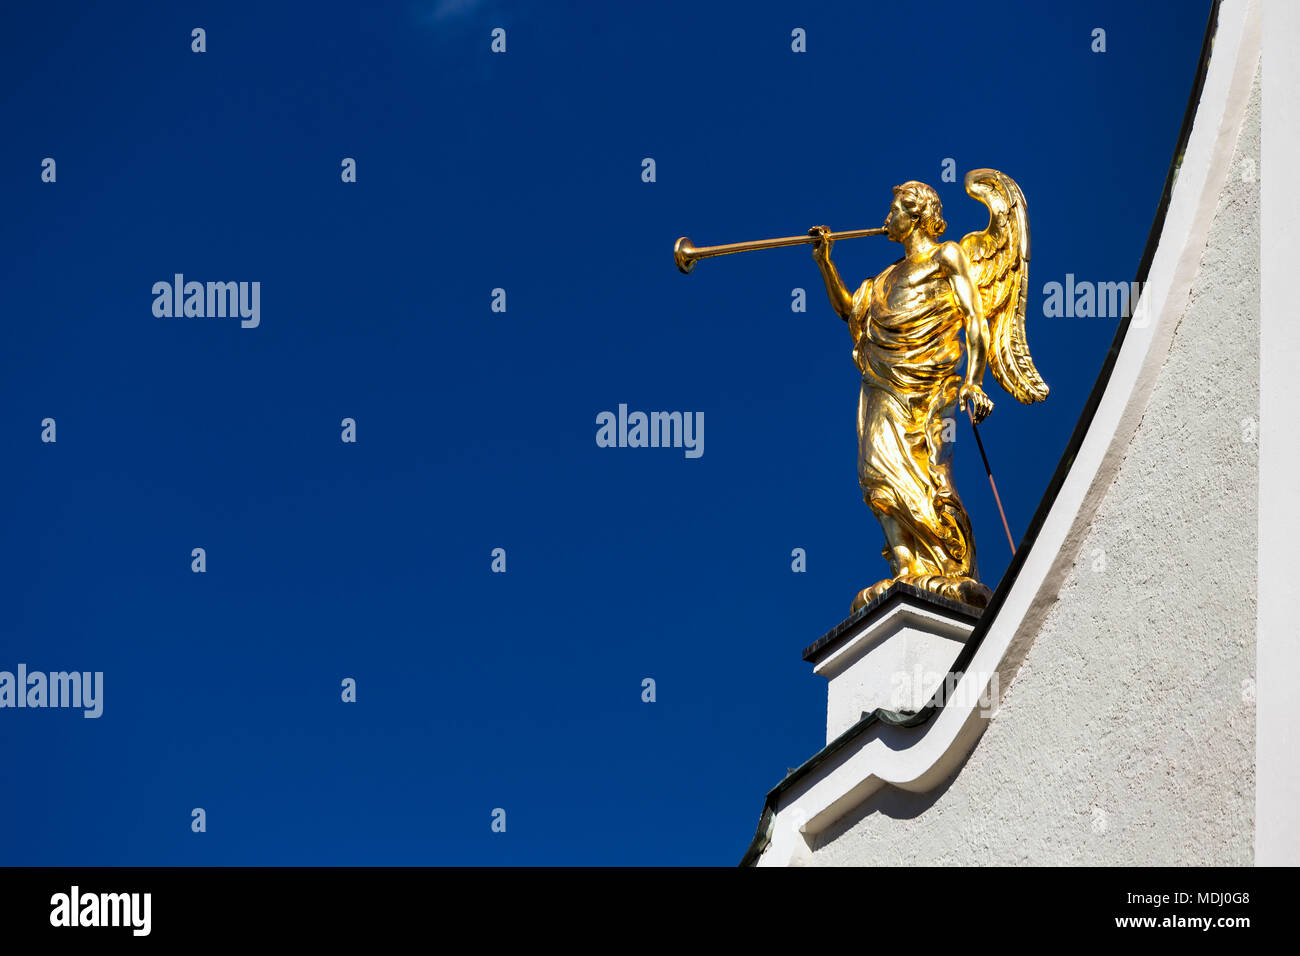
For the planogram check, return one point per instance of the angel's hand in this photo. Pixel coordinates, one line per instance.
(980, 404)
(822, 247)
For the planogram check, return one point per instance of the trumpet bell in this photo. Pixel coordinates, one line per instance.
(684, 255)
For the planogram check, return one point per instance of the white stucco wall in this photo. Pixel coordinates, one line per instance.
(1128, 736)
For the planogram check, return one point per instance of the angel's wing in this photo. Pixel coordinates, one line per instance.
(999, 259)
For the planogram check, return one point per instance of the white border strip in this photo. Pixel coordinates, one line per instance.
(1277, 648)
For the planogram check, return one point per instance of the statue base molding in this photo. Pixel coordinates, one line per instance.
(892, 654)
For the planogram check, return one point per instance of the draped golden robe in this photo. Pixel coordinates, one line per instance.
(906, 329)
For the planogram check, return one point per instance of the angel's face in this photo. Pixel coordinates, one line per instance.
(899, 222)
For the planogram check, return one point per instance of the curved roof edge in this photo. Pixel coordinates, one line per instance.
(917, 751)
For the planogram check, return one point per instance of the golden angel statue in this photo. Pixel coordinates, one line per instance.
(906, 325)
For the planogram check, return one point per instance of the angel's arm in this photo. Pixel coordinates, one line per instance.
(968, 300)
(841, 299)
(858, 310)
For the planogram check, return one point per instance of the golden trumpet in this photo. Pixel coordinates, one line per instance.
(685, 253)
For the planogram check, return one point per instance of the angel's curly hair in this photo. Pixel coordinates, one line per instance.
(922, 202)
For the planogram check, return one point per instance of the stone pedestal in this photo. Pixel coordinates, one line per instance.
(892, 654)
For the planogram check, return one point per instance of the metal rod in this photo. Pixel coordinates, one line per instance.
(685, 254)
(992, 484)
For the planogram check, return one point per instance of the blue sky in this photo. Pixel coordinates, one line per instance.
(476, 429)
